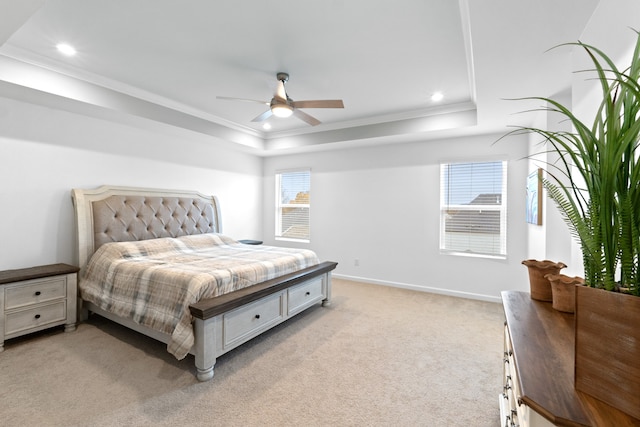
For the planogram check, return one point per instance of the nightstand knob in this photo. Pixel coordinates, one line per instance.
(257, 316)
(37, 316)
(308, 293)
(38, 293)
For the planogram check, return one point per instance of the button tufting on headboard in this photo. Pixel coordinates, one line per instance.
(104, 214)
(127, 218)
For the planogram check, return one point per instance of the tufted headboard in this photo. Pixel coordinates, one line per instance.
(120, 214)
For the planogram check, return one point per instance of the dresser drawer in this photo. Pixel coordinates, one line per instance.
(35, 291)
(247, 321)
(304, 295)
(35, 317)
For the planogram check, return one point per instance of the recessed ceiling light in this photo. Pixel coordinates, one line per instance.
(437, 96)
(66, 49)
(266, 126)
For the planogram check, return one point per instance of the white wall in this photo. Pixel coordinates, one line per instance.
(552, 239)
(559, 244)
(611, 29)
(45, 152)
(536, 234)
(380, 205)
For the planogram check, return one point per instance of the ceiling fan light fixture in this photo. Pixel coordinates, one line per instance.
(283, 106)
(282, 110)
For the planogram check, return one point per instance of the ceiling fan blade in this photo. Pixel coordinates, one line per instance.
(306, 118)
(228, 98)
(262, 117)
(320, 103)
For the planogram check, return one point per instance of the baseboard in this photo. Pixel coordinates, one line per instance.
(442, 291)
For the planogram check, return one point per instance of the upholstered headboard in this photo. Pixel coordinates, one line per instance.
(120, 214)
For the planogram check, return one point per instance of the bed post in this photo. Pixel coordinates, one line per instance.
(204, 347)
(327, 280)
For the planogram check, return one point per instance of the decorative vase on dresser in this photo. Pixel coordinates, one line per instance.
(539, 285)
(563, 291)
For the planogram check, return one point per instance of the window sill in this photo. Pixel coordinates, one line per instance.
(289, 239)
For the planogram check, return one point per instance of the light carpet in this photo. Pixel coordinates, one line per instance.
(378, 356)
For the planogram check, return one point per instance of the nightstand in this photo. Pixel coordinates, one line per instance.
(36, 298)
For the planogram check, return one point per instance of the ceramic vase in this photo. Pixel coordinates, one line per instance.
(540, 287)
(563, 291)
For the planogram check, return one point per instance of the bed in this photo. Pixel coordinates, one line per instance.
(156, 261)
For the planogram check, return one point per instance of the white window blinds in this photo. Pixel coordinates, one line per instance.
(473, 208)
(293, 203)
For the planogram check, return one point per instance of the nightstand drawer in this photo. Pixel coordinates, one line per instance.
(36, 317)
(34, 292)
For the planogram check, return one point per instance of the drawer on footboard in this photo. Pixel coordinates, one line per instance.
(245, 322)
(304, 295)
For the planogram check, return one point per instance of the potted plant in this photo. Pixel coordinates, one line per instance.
(596, 186)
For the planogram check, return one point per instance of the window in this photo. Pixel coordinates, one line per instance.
(293, 191)
(473, 208)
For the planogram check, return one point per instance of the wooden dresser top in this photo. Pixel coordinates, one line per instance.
(543, 346)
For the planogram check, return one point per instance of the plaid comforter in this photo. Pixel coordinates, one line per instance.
(153, 282)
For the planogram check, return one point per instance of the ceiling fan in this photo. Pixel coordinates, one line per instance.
(283, 106)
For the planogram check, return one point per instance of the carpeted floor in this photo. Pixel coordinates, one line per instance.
(377, 356)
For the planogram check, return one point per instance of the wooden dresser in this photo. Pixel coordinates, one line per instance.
(539, 367)
(32, 299)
